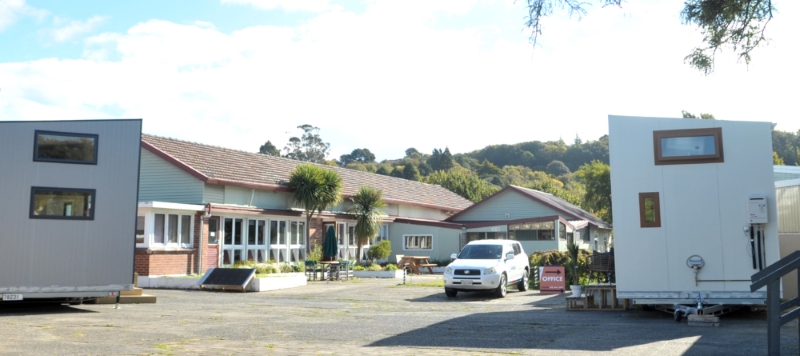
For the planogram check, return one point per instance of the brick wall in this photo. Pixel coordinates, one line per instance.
(159, 263)
(316, 235)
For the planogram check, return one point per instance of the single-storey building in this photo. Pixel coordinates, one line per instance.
(202, 206)
(540, 221)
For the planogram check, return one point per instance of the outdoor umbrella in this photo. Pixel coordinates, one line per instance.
(330, 248)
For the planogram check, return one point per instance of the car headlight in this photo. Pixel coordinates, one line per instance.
(489, 270)
(448, 270)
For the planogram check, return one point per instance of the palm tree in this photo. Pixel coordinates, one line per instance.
(315, 188)
(366, 204)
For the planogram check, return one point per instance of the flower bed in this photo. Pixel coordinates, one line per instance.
(273, 281)
(378, 274)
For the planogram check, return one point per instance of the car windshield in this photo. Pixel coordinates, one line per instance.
(482, 252)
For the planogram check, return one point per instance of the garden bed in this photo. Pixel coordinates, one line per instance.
(269, 282)
(378, 274)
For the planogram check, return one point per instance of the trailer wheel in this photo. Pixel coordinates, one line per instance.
(677, 315)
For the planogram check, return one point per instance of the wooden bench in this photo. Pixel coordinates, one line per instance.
(428, 265)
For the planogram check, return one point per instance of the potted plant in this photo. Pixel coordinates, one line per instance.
(573, 250)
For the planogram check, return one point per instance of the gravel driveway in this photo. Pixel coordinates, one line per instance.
(367, 316)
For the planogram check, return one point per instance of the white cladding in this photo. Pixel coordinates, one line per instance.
(703, 207)
(61, 257)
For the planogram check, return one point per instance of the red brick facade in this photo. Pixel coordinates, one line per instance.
(157, 262)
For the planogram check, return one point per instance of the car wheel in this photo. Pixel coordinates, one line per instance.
(523, 283)
(451, 293)
(500, 292)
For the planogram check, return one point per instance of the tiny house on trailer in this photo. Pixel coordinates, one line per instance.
(694, 211)
(69, 194)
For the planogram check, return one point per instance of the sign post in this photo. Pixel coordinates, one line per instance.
(551, 280)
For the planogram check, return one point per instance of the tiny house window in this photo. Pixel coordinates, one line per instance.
(688, 146)
(62, 203)
(65, 147)
(649, 210)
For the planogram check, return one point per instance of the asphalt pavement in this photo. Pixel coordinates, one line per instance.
(369, 317)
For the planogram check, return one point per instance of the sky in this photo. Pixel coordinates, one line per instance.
(384, 75)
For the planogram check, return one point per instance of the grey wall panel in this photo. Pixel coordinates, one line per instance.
(788, 209)
(214, 194)
(45, 253)
(509, 202)
(163, 181)
(444, 241)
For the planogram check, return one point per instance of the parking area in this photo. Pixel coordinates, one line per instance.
(369, 316)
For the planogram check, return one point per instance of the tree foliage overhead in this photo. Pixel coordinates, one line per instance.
(735, 24)
(308, 147)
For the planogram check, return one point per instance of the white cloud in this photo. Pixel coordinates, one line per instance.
(288, 5)
(388, 82)
(11, 10)
(66, 30)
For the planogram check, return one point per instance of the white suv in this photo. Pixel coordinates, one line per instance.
(487, 265)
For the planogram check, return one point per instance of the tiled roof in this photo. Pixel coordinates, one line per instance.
(562, 205)
(227, 166)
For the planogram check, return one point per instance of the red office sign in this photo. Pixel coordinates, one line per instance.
(552, 279)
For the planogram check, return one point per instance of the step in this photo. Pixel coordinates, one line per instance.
(126, 299)
(135, 291)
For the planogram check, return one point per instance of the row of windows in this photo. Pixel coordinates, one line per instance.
(63, 203)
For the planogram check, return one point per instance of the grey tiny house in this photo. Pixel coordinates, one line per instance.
(68, 200)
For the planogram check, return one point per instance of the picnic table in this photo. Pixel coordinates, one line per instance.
(414, 263)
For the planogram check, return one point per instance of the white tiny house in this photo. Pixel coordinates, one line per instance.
(694, 209)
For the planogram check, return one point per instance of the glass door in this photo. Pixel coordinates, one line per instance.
(277, 241)
(297, 241)
(257, 249)
(233, 244)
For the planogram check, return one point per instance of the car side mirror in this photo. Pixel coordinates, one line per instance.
(509, 256)
(454, 256)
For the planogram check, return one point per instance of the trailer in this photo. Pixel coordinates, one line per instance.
(694, 212)
(787, 192)
(68, 199)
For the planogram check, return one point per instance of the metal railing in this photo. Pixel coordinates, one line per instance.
(771, 278)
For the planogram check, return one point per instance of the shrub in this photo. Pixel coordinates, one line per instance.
(391, 267)
(380, 250)
(263, 268)
(561, 258)
(315, 254)
(286, 268)
(441, 263)
(375, 267)
(359, 268)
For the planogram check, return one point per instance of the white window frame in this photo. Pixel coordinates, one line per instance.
(383, 234)
(150, 227)
(405, 242)
(144, 234)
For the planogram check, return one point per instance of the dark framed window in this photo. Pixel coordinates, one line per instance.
(213, 230)
(62, 203)
(65, 147)
(688, 146)
(140, 229)
(649, 210)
